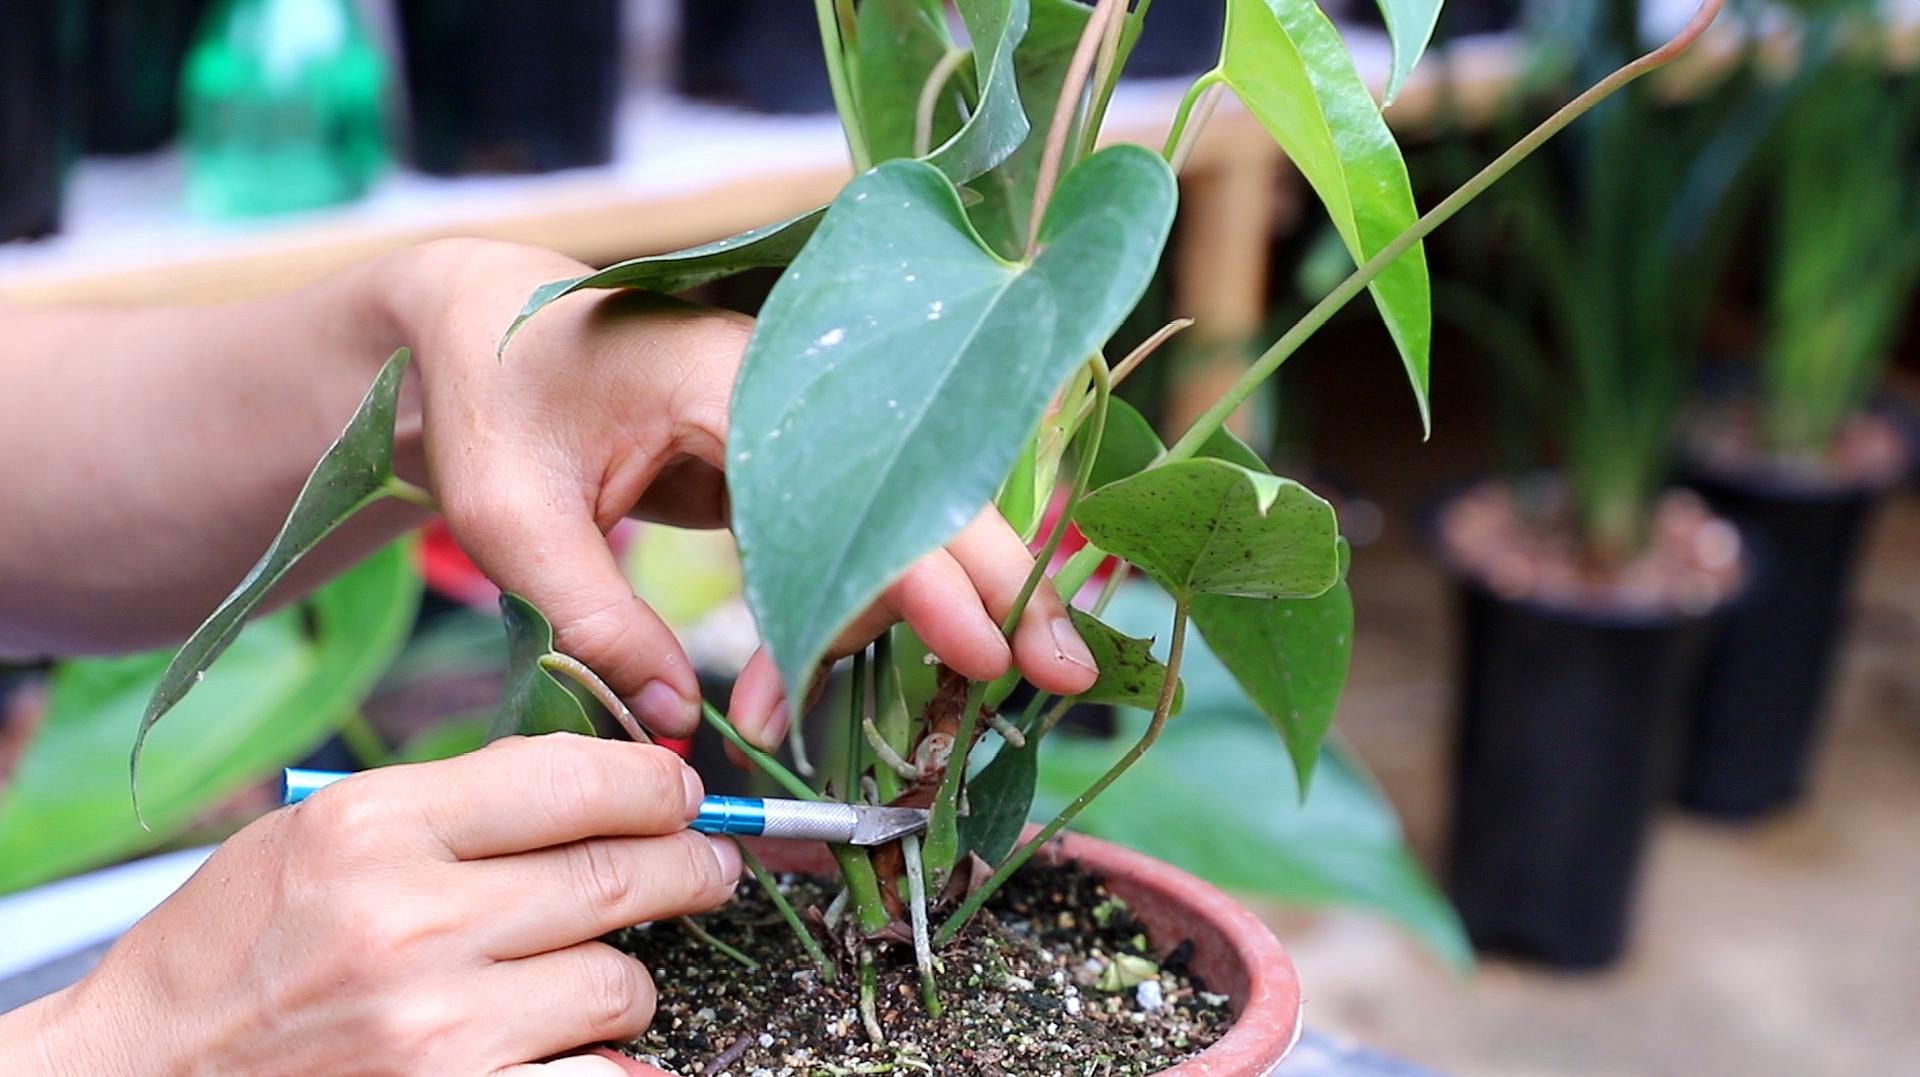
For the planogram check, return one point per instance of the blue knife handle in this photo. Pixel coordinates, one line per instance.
(745, 816)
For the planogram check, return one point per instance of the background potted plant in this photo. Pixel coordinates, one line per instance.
(1800, 460)
(1588, 594)
(1000, 249)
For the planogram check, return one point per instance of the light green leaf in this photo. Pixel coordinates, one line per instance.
(356, 471)
(1239, 821)
(1410, 24)
(1130, 675)
(1209, 526)
(846, 460)
(283, 686)
(756, 248)
(1287, 62)
(1000, 796)
(533, 700)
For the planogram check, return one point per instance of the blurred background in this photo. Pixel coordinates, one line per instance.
(1628, 764)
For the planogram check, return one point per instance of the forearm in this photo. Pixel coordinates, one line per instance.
(151, 453)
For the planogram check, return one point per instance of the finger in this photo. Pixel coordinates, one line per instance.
(939, 601)
(1045, 646)
(526, 793)
(554, 555)
(758, 708)
(553, 898)
(558, 1002)
(593, 1065)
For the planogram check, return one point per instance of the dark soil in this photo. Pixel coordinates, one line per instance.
(1029, 989)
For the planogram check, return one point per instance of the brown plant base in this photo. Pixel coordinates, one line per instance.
(1525, 549)
(1020, 989)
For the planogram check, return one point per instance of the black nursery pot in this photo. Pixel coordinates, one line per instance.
(1750, 744)
(764, 54)
(39, 44)
(1567, 731)
(1181, 37)
(130, 98)
(505, 86)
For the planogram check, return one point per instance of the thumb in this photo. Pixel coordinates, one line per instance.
(559, 560)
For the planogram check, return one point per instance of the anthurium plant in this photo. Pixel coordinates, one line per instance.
(935, 344)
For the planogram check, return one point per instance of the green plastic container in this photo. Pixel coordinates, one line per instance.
(283, 104)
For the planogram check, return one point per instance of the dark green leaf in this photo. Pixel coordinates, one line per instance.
(1287, 62)
(355, 471)
(1289, 655)
(1215, 796)
(534, 700)
(1126, 447)
(275, 695)
(997, 126)
(1208, 526)
(1410, 24)
(999, 797)
(1129, 673)
(845, 462)
(756, 248)
(901, 41)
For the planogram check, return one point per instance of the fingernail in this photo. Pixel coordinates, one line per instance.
(696, 791)
(1068, 645)
(728, 857)
(663, 710)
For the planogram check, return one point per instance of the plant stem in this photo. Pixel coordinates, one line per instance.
(869, 986)
(929, 102)
(363, 741)
(890, 721)
(602, 693)
(892, 762)
(917, 913)
(768, 764)
(1185, 114)
(400, 489)
(833, 45)
(1176, 648)
(1064, 111)
(856, 722)
(807, 942)
(1216, 416)
(687, 923)
(1147, 347)
(943, 822)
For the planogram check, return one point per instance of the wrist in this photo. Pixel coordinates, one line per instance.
(65, 1034)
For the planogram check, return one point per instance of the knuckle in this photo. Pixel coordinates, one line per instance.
(415, 1026)
(699, 867)
(347, 824)
(619, 992)
(607, 876)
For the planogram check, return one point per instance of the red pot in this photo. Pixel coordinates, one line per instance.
(1233, 951)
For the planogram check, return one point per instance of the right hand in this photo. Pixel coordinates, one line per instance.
(431, 919)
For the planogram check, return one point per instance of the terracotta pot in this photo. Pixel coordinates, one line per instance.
(1233, 952)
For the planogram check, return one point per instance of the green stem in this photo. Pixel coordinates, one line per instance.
(863, 888)
(1185, 114)
(1216, 416)
(929, 102)
(891, 723)
(807, 942)
(1176, 648)
(943, 820)
(701, 933)
(833, 45)
(767, 763)
(602, 693)
(402, 490)
(368, 747)
(856, 721)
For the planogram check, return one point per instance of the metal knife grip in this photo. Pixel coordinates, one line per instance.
(810, 820)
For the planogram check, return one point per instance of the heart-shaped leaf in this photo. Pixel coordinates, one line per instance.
(356, 471)
(287, 682)
(1130, 676)
(533, 699)
(1208, 526)
(1287, 62)
(1130, 446)
(756, 248)
(896, 369)
(1410, 24)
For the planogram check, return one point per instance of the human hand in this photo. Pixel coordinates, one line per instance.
(608, 406)
(429, 919)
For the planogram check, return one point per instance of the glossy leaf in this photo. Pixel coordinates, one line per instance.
(900, 43)
(756, 248)
(1127, 445)
(999, 797)
(997, 125)
(1410, 24)
(1215, 796)
(356, 470)
(1129, 673)
(1208, 526)
(1286, 61)
(846, 461)
(283, 686)
(1040, 67)
(533, 700)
